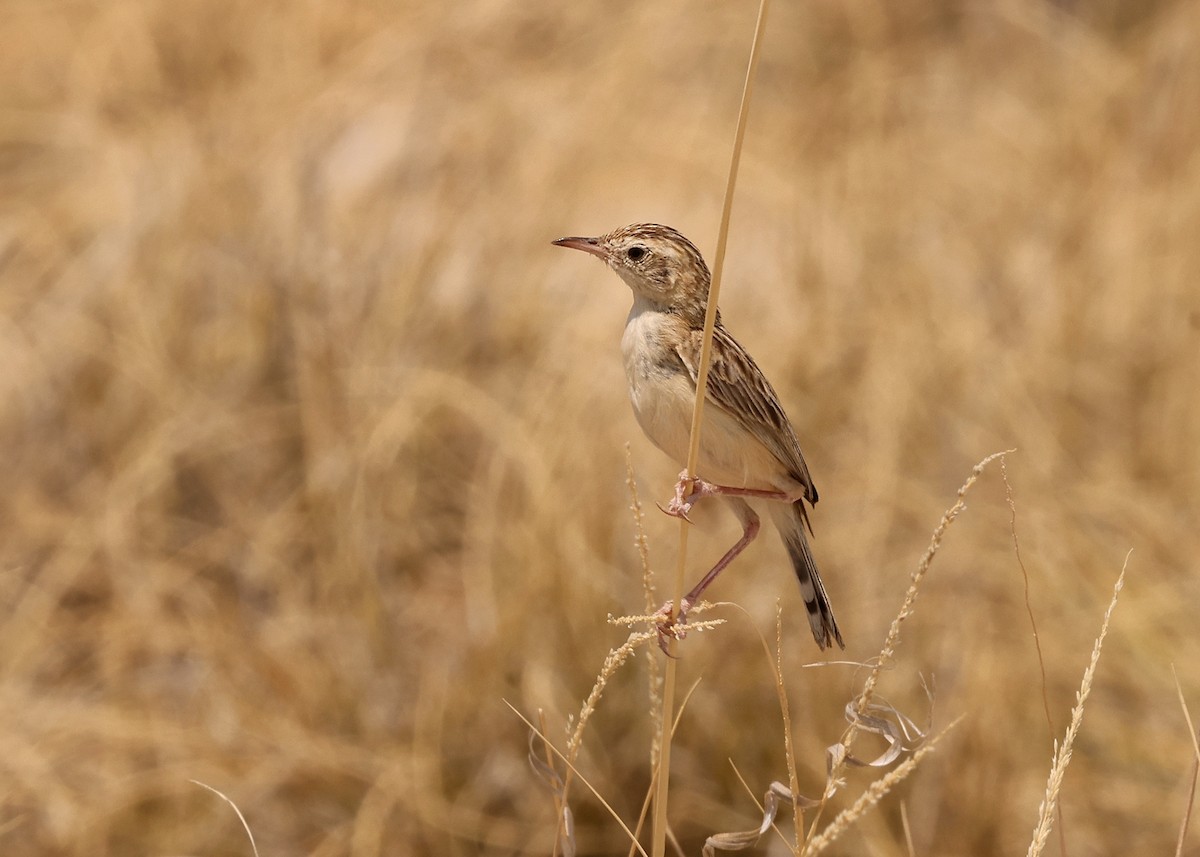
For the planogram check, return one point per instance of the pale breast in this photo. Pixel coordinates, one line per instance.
(660, 392)
(662, 396)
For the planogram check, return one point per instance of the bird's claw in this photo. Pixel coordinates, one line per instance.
(670, 625)
(676, 510)
(687, 492)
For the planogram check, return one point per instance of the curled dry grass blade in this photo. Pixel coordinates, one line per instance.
(741, 840)
(874, 793)
(881, 718)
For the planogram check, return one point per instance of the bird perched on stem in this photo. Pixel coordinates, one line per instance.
(748, 449)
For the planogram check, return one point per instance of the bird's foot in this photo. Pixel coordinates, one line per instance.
(670, 625)
(688, 490)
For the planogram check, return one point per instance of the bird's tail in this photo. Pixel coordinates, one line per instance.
(790, 520)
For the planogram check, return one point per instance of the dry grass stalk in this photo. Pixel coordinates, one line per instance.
(1037, 640)
(615, 659)
(710, 318)
(791, 793)
(572, 770)
(241, 818)
(565, 835)
(1187, 716)
(908, 840)
(841, 752)
(650, 790)
(893, 636)
(789, 751)
(1062, 756)
(649, 590)
(612, 662)
(1187, 811)
(650, 600)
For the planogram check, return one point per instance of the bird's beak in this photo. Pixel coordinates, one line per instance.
(587, 245)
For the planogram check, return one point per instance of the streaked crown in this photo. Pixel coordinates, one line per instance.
(659, 264)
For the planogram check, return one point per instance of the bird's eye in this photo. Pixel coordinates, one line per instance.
(636, 252)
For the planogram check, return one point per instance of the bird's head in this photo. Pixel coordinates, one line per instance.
(656, 262)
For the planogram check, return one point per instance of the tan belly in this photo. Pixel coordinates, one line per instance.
(729, 455)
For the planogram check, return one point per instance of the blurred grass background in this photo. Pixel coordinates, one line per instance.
(314, 446)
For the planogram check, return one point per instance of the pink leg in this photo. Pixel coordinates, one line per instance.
(671, 626)
(683, 501)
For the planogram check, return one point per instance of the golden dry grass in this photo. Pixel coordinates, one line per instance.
(314, 445)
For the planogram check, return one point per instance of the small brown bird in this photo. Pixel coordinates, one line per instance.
(748, 448)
